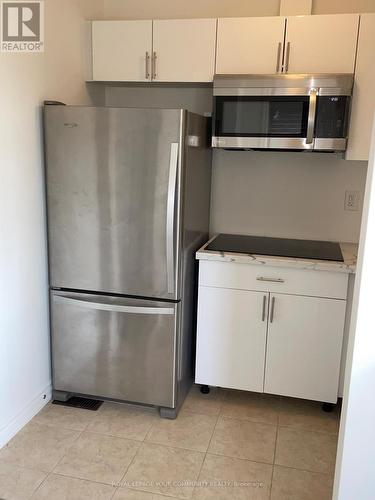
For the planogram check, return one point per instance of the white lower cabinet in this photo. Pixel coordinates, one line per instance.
(231, 342)
(304, 347)
(270, 341)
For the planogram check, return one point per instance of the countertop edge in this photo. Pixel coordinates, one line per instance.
(349, 251)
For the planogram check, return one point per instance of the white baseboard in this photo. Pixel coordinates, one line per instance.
(29, 411)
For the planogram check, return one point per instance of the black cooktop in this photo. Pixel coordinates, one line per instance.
(281, 247)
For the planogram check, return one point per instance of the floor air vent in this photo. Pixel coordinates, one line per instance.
(83, 403)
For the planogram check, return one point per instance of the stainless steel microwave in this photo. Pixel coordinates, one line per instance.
(287, 112)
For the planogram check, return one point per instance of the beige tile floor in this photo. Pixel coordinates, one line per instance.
(227, 445)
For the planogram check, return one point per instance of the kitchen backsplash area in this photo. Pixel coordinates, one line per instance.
(281, 194)
(289, 195)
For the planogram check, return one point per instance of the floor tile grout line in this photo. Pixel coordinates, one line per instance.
(69, 476)
(179, 448)
(304, 429)
(149, 431)
(141, 443)
(37, 487)
(249, 421)
(60, 459)
(274, 456)
(205, 455)
(116, 436)
(239, 458)
(305, 470)
(192, 412)
(269, 464)
(140, 446)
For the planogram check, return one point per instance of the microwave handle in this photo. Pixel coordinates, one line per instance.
(311, 116)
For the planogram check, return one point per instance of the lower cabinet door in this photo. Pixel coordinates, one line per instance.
(231, 338)
(304, 347)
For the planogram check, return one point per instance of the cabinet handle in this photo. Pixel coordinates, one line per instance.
(272, 280)
(278, 58)
(147, 61)
(154, 65)
(272, 309)
(264, 308)
(286, 67)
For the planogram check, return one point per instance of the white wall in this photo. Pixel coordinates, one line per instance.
(155, 9)
(355, 466)
(26, 80)
(296, 195)
(193, 98)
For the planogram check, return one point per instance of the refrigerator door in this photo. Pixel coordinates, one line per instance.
(113, 199)
(114, 347)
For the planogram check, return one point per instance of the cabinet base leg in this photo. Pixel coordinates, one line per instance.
(205, 389)
(328, 407)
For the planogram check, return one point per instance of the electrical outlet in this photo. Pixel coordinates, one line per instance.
(352, 200)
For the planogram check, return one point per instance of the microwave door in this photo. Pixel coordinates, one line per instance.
(265, 122)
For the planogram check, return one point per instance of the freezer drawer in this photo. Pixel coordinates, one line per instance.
(113, 347)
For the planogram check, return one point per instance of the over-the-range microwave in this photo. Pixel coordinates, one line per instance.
(282, 112)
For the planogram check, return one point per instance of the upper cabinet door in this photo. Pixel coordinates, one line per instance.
(321, 44)
(249, 45)
(184, 50)
(363, 104)
(121, 50)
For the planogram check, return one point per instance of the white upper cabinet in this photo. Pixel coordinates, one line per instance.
(121, 50)
(363, 104)
(249, 45)
(184, 50)
(321, 44)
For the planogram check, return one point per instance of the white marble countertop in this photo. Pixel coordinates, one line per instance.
(349, 253)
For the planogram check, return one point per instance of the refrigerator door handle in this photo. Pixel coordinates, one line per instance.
(173, 165)
(103, 306)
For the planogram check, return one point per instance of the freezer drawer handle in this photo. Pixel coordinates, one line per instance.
(113, 307)
(173, 163)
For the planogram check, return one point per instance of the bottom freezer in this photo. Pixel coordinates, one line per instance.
(114, 347)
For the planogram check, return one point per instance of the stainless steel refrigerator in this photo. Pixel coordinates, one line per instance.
(128, 194)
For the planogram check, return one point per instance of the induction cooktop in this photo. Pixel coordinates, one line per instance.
(280, 247)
